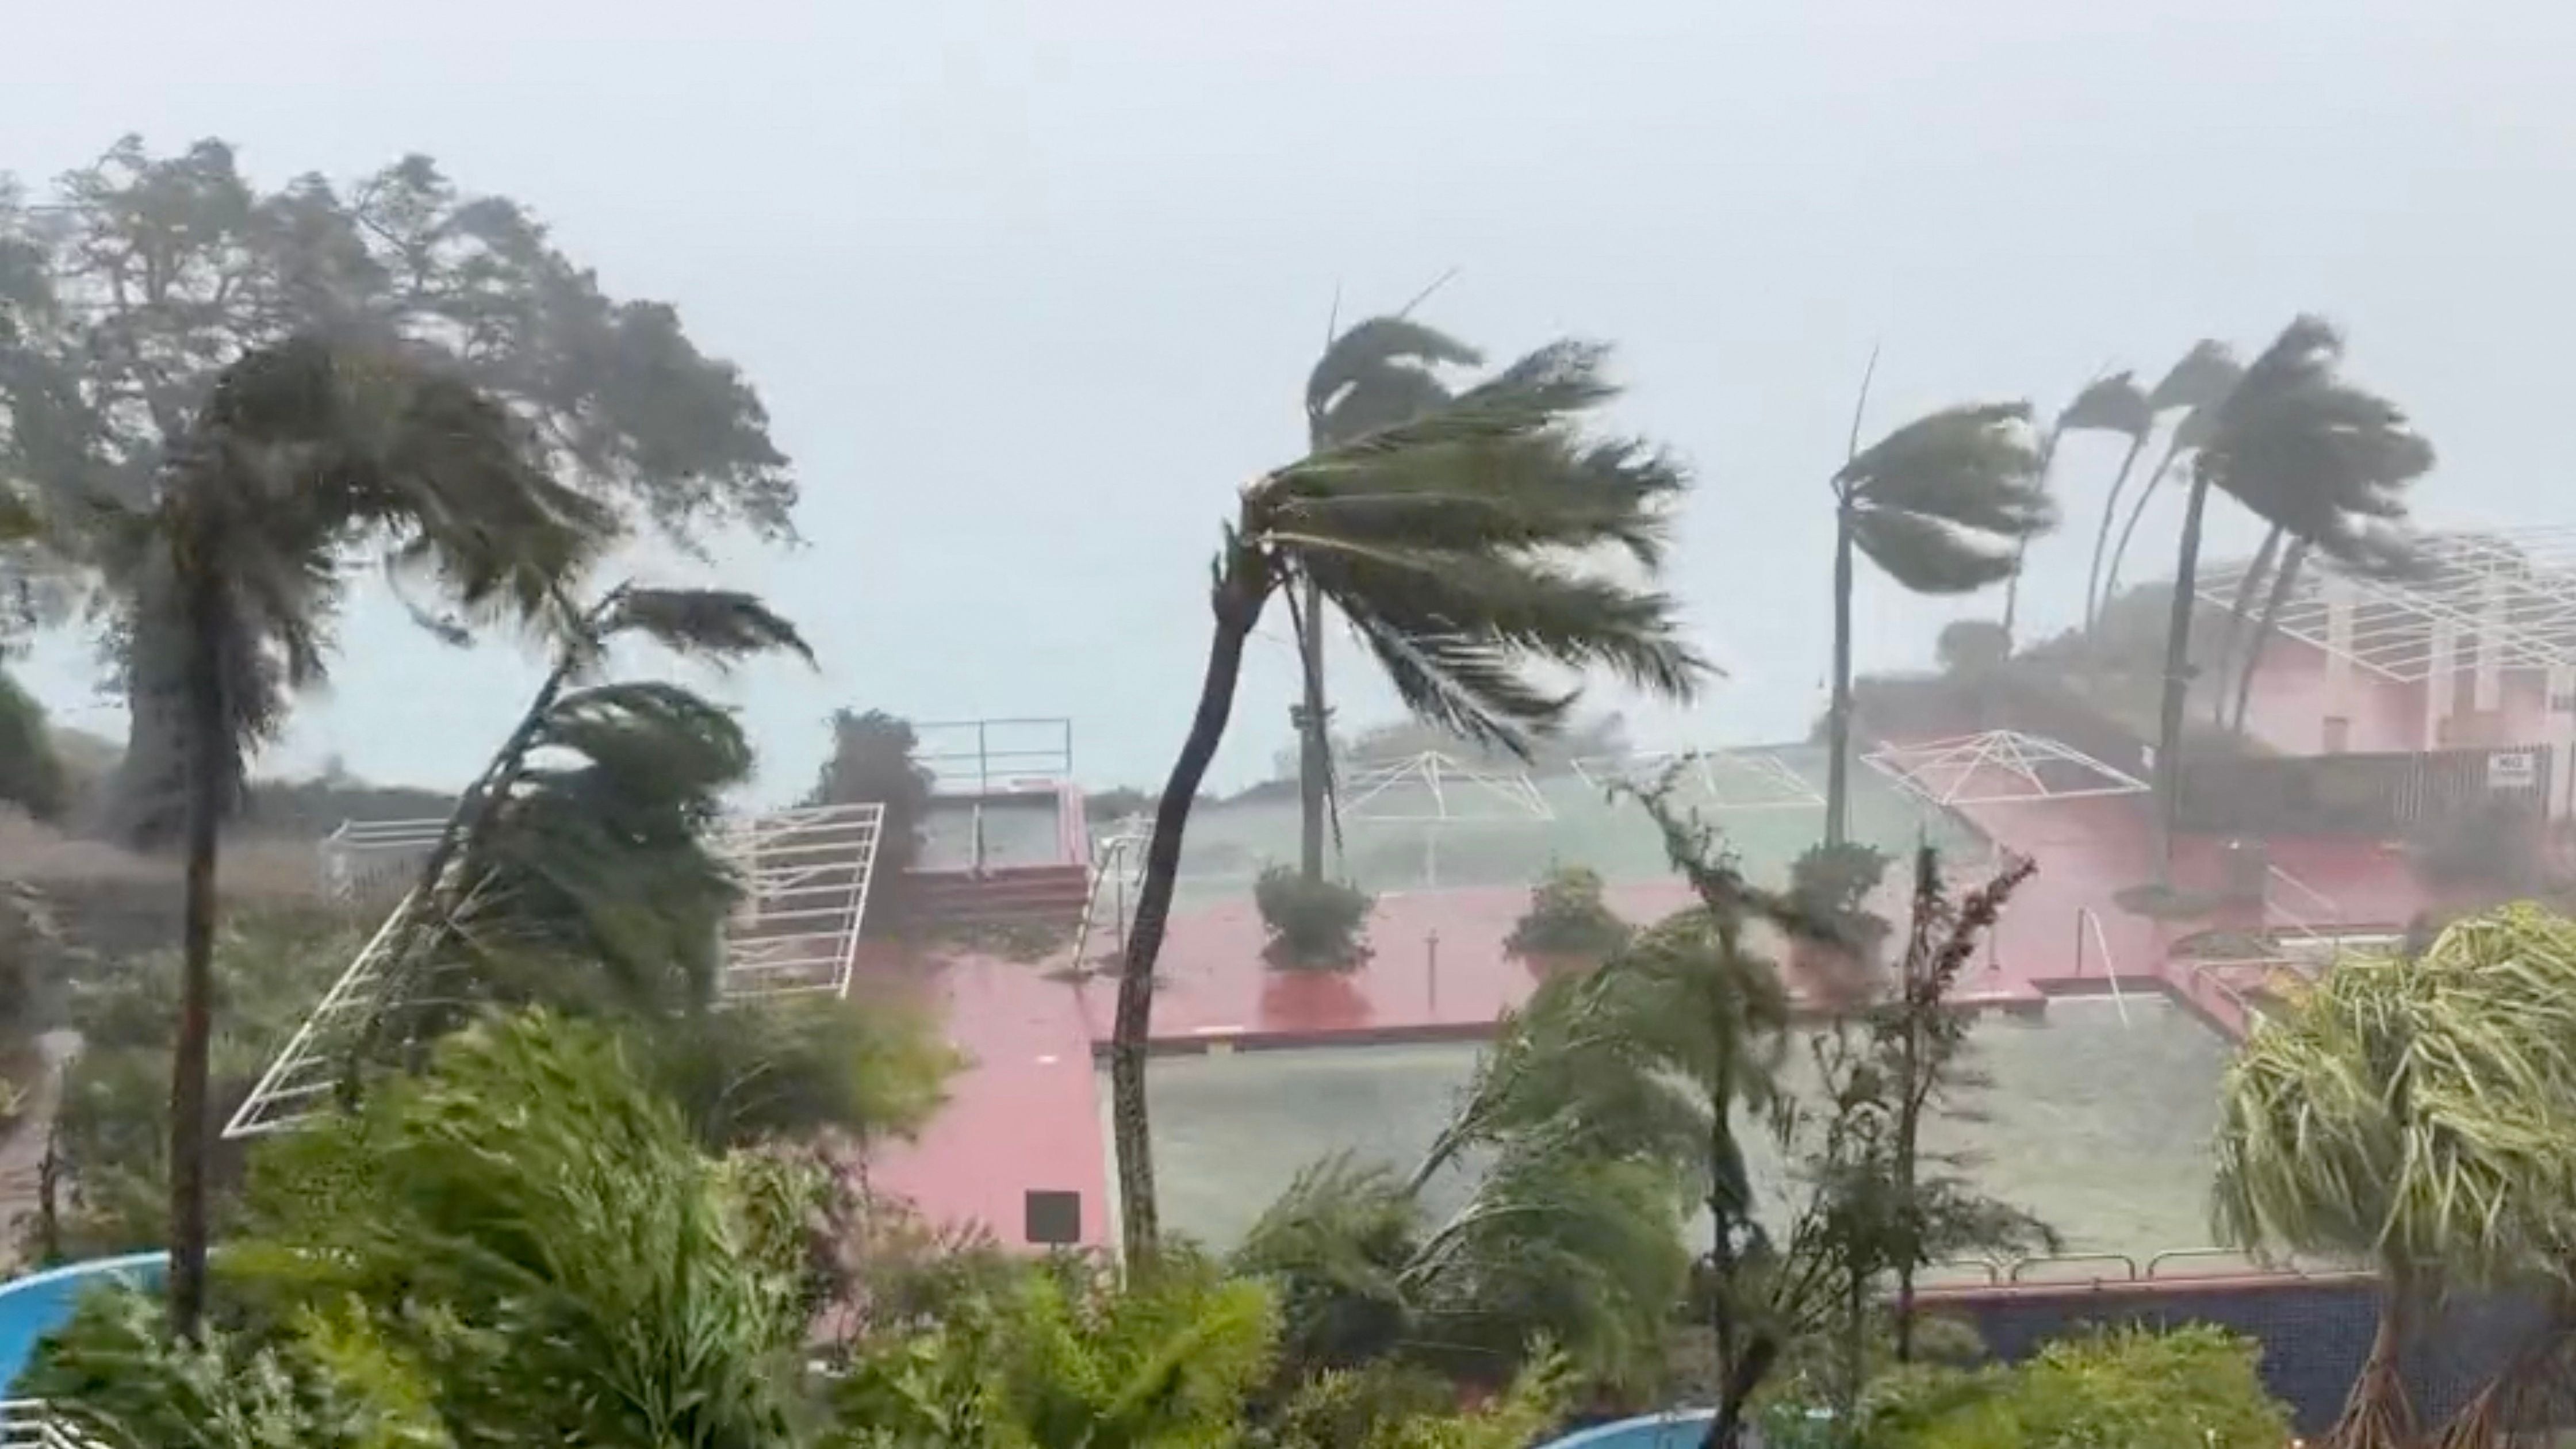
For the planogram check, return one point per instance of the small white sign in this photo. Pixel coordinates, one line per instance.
(2513, 770)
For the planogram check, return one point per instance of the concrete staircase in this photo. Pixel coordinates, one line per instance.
(1041, 895)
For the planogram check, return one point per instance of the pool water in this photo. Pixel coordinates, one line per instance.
(2100, 1125)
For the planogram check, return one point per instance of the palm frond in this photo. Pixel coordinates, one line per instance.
(1453, 545)
(2201, 378)
(1380, 372)
(722, 626)
(1944, 502)
(2112, 404)
(2325, 461)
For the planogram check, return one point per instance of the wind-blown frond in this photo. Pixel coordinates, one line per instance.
(719, 626)
(1943, 502)
(2201, 378)
(2323, 460)
(2418, 1111)
(597, 852)
(1380, 372)
(2112, 404)
(302, 453)
(1454, 544)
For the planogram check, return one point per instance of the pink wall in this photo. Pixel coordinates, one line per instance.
(2290, 707)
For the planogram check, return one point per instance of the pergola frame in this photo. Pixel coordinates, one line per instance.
(805, 874)
(1947, 772)
(2510, 597)
(1729, 779)
(1455, 788)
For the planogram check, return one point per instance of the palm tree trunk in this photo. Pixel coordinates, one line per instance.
(2177, 678)
(2021, 545)
(1838, 713)
(2102, 535)
(2146, 495)
(209, 779)
(1313, 741)
(2283, 580)
(2236, 607)
(1237, 602)
(2376, 1414)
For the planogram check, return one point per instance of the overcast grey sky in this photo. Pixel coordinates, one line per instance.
(1030, 287)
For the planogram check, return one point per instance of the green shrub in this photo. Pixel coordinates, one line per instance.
(1312, 924)
(1567, 917)
(2191, 1388)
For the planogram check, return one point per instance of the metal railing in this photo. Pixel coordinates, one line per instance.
(2084, 916)
(2053, 1268)
(1110, 865)
(363, 856)
(982, 756)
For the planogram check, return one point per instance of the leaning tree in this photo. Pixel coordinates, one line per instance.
(137, 280)
(2304, 449)
(1455, 546)
(301, 454)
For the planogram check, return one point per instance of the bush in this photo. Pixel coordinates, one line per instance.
(1567, 917)
(1312, 924)
(1972, 646)
(2192, 1388)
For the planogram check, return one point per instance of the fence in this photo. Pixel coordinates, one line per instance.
(2376, 795)
(2315, 1330)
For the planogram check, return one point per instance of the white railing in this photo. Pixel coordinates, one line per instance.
(365, 855)
(1111, 865)
(2084, 916)
(35, 1424)
(805, 875)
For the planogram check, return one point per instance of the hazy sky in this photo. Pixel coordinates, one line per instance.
(1031, 287)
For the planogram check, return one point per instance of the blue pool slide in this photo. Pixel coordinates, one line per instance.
(39, 1303)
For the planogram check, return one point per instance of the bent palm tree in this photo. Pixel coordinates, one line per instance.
(1381, 372)
(2110, 404)
(2289, 433)
(2197, 385)
(2417, 1113)
(1940, 505)
(1452, 545)
(301, 453)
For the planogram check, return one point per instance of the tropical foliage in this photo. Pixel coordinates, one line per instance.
(2415, 1112)
(142, 280)
(1313, 924)
(1454, 545)
(1568, 917)
(1382, 372)
(2191, 1388)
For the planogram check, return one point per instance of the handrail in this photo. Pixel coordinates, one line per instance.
(2110, 969)
(2121, 1258)
(1108, 865)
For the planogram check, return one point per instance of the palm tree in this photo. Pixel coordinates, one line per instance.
(2110, 404)
(2291, 441)
(556, 859)
(2417, 1113)
(300, 453)
(2196, 385)
(1381, 372)
(1451, 544)
(1940, 505)
(2363, 530)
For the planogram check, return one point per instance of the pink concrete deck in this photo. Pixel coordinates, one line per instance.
(1027, 1115)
